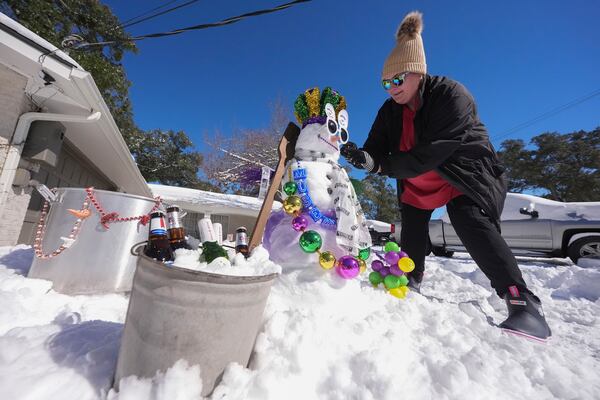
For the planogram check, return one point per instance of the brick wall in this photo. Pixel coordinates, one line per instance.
(13, 103)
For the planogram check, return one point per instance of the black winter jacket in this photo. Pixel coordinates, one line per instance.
(449, 138)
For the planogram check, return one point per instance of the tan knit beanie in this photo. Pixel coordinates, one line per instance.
(408, 54)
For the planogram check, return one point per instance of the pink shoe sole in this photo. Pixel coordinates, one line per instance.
(521, 334)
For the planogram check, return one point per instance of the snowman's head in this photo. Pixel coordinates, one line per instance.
(324, 121)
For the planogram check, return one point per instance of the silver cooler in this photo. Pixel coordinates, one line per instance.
(100, 260)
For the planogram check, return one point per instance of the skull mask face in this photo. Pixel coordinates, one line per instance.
(338, 130)
(325, 138)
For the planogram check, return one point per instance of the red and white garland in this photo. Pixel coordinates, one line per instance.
(105, 219)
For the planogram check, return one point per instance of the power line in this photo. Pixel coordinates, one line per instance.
(226, 21)
(548, 114)
(126, 25)
(145, 13)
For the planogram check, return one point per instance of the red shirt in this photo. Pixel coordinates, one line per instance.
(429, 190)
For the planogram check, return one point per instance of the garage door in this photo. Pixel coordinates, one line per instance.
(72, 170)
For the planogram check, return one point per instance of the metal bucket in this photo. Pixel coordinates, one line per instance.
(100, 260)
(175, 313)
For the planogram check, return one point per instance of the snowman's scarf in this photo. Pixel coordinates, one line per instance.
(352, 233)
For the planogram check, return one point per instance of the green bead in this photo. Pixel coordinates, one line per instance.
(391, 281)
(364, 254)
(391, 246)
(310, 241)
(290, 188)
(375, 278)
(403, 280)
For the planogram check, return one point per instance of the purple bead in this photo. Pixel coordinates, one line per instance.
(348, 267)
(402, 254)
(299, 223)
(391, 257)
(349, 262)
(377, 265)
(385, 271)
(395, 270)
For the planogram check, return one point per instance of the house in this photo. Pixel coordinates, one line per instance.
(231, 211)
(55, 129)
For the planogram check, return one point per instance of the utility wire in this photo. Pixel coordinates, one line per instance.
(226, 21)
(548, 114)
(122, 24)
(126, 25)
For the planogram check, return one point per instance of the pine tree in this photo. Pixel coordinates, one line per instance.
(566, 166)
(378, 199)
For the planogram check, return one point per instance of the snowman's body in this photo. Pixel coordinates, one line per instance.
(318, 155)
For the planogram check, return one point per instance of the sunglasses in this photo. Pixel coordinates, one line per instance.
(339, 127)
(397, 80)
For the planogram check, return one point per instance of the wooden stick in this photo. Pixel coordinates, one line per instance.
(286, 153)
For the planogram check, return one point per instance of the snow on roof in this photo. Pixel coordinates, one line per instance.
(209, 202)
(20, 29)
(72, 92)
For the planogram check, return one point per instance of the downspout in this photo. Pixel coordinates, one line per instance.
(18, 140)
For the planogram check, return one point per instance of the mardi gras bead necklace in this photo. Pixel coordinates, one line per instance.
(393, 276)
(299, 200)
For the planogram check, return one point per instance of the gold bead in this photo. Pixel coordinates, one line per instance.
(362, 265)
(326, 260)
(292, 204)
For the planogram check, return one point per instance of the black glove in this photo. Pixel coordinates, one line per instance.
(354, 155)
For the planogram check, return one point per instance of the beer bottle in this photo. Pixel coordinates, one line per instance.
(158, 246)
(241, 241)
(176, 231)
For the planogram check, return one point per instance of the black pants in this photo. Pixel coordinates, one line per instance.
(479, 233)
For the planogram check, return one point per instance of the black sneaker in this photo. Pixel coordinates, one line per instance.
(414, 282)
(525, 315)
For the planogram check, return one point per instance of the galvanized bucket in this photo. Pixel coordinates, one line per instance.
(100, 259)
(175, 313)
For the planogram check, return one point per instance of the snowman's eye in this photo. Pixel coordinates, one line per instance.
(332, 126)
(343, 136)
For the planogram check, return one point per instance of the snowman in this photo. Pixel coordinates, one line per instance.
(322, 221)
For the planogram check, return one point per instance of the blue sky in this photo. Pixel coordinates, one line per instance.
(518, 59)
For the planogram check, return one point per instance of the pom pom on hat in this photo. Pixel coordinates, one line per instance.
(412, 25)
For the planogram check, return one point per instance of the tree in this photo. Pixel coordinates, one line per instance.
(566, 166)
(166, 157)
(519, 163)
(169, 163)
(235, 162)
(54, 20)
(378, 198)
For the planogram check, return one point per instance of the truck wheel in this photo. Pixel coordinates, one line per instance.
(585, 247)
(441, 252)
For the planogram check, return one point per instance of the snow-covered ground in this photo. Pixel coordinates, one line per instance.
(323, 338)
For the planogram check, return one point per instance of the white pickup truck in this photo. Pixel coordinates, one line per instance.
(532, 226)
(381, 232)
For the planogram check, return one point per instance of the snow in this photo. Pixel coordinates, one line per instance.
(589, 263)
(379, 226)
(322, 338)
(5, 20)
(547, 209)
(258, 264)
(209, 202)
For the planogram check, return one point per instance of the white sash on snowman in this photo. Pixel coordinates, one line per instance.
(352, 232)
